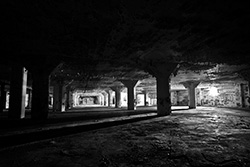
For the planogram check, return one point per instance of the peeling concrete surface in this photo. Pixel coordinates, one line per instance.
(205, 136)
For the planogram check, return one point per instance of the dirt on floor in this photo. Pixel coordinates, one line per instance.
(190, 138)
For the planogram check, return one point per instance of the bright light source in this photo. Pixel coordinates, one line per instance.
(213, 91)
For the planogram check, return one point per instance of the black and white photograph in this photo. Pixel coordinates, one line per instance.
(125, 83)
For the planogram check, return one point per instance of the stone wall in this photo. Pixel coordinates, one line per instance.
(228, 95)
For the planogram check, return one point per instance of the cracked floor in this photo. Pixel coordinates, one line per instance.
(202, 137)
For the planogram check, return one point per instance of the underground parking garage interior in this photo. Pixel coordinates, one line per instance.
(125, 83)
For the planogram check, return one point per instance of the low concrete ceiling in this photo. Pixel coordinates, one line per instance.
(221, 73)
(97, 43)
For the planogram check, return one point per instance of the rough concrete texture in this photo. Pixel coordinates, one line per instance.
(205, 136)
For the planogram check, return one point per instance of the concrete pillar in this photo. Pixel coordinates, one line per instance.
(243, 97)
(29, 98)
(99, 99)
(109, 93)
(163, 96)
(68, 101)
(3, 98)
(191, 85)
(105, 98)
(131, 86)
(18, 86)
(64, 98)
(177, 98)
(74, 97)
(57, 97)
(102, 99)
(249, 91)
(61, 97)
(117, 90)
(146, 102)
(40, 94)
(162, 71)
(118, 98)
(246, 76)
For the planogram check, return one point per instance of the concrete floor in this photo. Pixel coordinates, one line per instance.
(205, 136)
(74, 117)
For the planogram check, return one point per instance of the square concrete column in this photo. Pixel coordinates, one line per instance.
(99, 99)
(105, 98)
(18, 86)
(191, 85)
(109, 92)
(64, 98)
(69, 98)
(57, 97)
(74, 97)
(243, 97)
(146, 102)
(248, 92)
(248, 88)
(131, 86)
(177, 98)
(162, 71)
(104, 95)
(246, 76)
(163, 96)
(3, 98)
(67, 102)
(40, 94)
(29, 91)
(117, 90)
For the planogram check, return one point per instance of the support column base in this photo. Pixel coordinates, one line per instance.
(163, 108)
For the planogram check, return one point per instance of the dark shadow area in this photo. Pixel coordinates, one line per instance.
(28, 130)
(78, 115)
